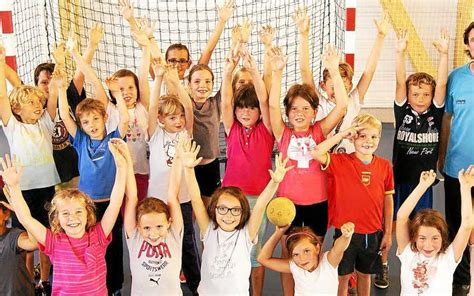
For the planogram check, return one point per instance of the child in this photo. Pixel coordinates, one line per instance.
(367, 201)
(245, 114)
(29, 130)
(355, 96)
(75, 244)
(154, 233)
(228, 229)
(314, 272)
(427, 258)
(14, 242)
(306, 184)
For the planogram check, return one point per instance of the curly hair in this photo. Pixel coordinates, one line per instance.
(20, 96)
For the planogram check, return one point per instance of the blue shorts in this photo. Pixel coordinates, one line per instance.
(261, 232)
(403, 190)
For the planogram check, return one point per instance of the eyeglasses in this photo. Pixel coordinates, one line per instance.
(225, 210)
(175, 61)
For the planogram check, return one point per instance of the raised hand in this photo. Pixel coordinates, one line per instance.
(402, 41)
(71, 44)
(171, 74)
(347, 229)
(330, 57)
(114, 87)
(235, 34)
(245, 30)
(266, 35)
(350, 133)
(189, 153)
(249, 61)
(126, 9)
(225, 11)
(281, 229)
(140, 35)
(301, 19)
(119, 158)
(427, 178)
(96, 33)
(148, 27)
(280, 169)
(382, 24)
(466, 178)
(122, 148)
(277, 59)
(442, 44)
(58, 78)
(11, 171)
(159, 67)
(59, 53)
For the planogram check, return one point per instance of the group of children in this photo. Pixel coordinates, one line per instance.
(166, 168)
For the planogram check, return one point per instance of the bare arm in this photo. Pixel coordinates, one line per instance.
(227, 94)
(173, 190)
(442, 45)
(5, 108)
(403, 215)
(266, 254)
(27, 242)
(443, 142)
(172, 79)
(341, 244)
(69, 123)
(368, 74)
(12, 76)
(131, 200)
(155, 97)
(320, 153)
(266, 37)
(301, 19)
(95, 35)
(278, 61)
(401, 46)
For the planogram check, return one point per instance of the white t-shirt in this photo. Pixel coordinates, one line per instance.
(353, 109)
(226, 266)
(162, 150)
(426, 276)
(155, 269)
(136, 134)
(321, 281)
(32, 144)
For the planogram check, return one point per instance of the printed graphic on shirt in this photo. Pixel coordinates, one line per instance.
(421, 275)
(299, 150)
(154, 260)
(60, 136)
(134, 132)
(222, 266)
(169, 145)
(419, 143)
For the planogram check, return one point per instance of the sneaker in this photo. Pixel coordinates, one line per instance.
(381, 279)
(182, 278)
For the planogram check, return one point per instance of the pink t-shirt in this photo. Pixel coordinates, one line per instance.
(249, 157)
(79, 264)
(306, 184)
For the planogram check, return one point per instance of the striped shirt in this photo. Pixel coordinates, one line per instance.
(79, 264)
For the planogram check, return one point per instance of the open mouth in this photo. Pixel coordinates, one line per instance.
(73, 225)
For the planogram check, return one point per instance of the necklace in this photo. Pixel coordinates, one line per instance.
(233, 247)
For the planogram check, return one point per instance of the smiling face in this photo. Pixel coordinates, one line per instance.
(306, 255)
(428, 241)
(201, 85)
(420, 97)
(366, 142)
(301, 114)
(179, 58)
(93, 124)
(31, 110)
(72, 215)
(129, 90)
(231, 219)
(173, 123)
(153, 227)
(247, 116)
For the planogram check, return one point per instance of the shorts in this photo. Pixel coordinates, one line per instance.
(314, 216)
(38, 201)
(403, 190)
(261, 232)
(363, 254)
(208, 177)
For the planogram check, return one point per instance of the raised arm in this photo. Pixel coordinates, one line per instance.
(118, 148)
(126, 11)
(11, 174)
(224, 12)
(278, 62)
(403, 215)
(143, 40)
(265, 257)
(266, 37)
(12, 76)
(330, 60)
(341, 244)
(301, 19)
(260, 89)
(442, 45)
(112, 84)
(466, 179)
(188, 158)
(5, 108)
(374, 56)
(131, 195)
(173, 187)
(320, 153)
(59, 79)
(159, 70)
(227, 93)
(172, 79)
(401, 46)
(264, 198)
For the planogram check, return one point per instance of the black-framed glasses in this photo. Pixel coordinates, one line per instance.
(176, 61)
(224, 210)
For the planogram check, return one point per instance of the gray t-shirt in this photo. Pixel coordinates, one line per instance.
(14, 277)
(207, 118)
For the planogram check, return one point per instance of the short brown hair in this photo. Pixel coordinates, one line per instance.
(125, 73)
(428, 218)
(239, 195)
(345, 70)
(297, 234)
(90, 105)
(152, 205)
(70, 194)
(177, 46)
(48, 67)
(304, 91)
(420, 78)
(246, 97)
(200, 67)
(19, 96)
(169, 105)
(466, 38)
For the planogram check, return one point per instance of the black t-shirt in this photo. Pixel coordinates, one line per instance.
(64, 154)
(416, 143)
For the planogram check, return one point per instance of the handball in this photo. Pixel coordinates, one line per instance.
(281, 211)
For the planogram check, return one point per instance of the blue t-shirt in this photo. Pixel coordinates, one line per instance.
(460, 102)
(96, 164)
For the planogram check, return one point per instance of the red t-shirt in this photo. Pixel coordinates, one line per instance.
(306, 184)
(249, 157)
(357, 191)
